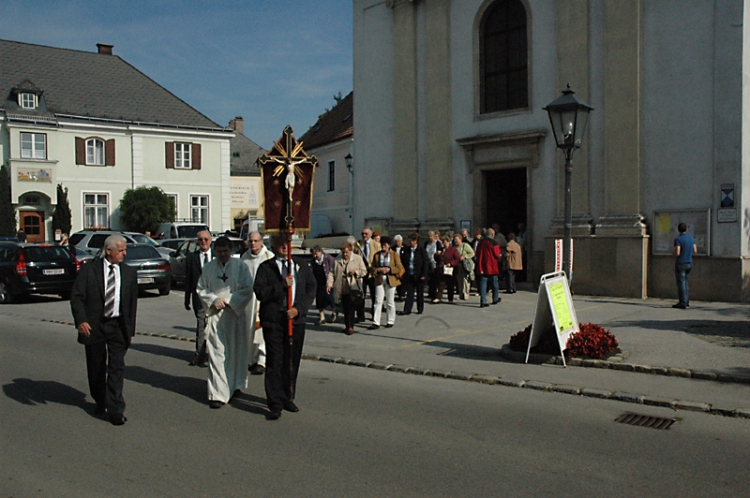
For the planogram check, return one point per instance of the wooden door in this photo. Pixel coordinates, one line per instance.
(32, 222)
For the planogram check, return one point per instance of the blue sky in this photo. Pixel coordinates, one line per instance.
(273, 62)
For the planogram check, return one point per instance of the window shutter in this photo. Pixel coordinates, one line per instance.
(170, 155)
(109, 152)
(196, 150)
(80, 151)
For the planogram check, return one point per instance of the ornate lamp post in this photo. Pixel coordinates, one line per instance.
(568, 117)
(349, 160)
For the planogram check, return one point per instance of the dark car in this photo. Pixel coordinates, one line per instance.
(153, 269)
(177, 259)
(35, 269)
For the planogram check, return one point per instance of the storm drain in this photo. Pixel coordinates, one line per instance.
(645, 420)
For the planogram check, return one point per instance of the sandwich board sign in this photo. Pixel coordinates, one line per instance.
(553, 304)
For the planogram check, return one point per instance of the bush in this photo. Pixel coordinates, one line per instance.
(547, 342)
(143, 209)
(593, 341)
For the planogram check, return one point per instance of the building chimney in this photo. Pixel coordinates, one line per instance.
(238, 125)
(104, 48)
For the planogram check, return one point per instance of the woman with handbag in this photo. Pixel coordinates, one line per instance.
(465, 267)
(450, 261)
(346, 282)
(387, 271)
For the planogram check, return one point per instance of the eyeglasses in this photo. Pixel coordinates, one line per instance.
(203, 238)
(364, 234)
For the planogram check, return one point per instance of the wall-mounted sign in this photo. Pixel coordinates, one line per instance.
(34, 175)
(727, 195)
(665, 224)
(726, 215)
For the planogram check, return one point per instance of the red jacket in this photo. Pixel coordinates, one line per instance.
(451, 256)
(488, 252)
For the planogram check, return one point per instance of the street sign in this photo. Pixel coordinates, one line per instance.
(554, 304)
(559, 255)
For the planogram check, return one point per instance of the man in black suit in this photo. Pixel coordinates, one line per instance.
(272, 280)
(194, 262)
(104, 301)
(417, 265)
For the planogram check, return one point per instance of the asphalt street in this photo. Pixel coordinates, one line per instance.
(360, 432)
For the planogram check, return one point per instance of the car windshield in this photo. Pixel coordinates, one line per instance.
(141, 252)
(190, 231)
(51, 253)
(75, 238)
(144, 239)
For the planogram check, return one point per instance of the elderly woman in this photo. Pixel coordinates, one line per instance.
(322, 264)
(347, 274)
(451, 261)
(387, 271)
(398, 246)
(464, 272)
(434, 249)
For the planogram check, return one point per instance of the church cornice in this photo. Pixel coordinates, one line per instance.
(391, 4)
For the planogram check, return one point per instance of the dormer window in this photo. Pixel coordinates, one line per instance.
(95, 152)
(27, 100)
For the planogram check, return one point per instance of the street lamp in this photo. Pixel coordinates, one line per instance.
(568, 117)
(348, 160)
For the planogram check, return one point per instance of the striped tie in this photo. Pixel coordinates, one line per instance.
(109, 296)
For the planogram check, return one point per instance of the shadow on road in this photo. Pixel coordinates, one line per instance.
(41, 392)
(249, 403)
(189, 387)
(179, 354)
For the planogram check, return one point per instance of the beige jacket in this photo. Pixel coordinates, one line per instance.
(339, 278)
(513, 253)
(397, 269)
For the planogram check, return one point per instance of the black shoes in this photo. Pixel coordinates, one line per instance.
(402, 313)
(215, 405)
(291, 407)
(484, 305)
(117, 418)
(374, 327)
(198, 361)
(497, 300)
(681, 306)
(256, 369)
(274, 415)
(100, 410)
(389, 325)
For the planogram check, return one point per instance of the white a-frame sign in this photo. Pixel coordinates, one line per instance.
(553, 304)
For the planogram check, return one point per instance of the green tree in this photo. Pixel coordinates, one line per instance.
(142, 209)
(7, 215)
(61, 216)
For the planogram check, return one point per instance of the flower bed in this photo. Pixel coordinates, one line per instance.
(592, 341)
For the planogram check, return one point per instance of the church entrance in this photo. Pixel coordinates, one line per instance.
(506, 198)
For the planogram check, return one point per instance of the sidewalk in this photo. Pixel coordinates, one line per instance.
(708, 338)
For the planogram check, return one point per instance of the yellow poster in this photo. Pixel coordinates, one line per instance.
(560, 306)
(663, 223)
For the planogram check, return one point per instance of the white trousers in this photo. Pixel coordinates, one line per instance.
(389, 293)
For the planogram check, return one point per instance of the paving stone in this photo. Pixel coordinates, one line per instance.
(679, 372)
(743, 412)
(624, 367)
(354, 363)
(343, 361)
(642, 368)
(704, 375)
(596, 393)
(379, 366)
(595, 364)
(692, 406)
(306, 356)
(539, 386)
(484, 379)
(418, 370)
(458, 375)
(329, 359)
(511, 382)
(628, 397)
(727, 412)
(438, 373)
(659, 370)
(567, 389)
(574, 362)
(614, 359)
(398, 368)
(657, 401)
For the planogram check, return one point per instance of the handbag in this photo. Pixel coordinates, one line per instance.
(447, 270)
(356, 294)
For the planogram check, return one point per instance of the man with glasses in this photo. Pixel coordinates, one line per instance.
(369, 248)
(194, 263)
(257, 254)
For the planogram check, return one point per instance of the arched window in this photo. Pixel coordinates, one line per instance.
(504, 57)
(95, 151)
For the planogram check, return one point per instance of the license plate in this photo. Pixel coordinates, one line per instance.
(147, 280)
(55, 271)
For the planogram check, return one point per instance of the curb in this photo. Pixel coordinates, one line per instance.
(615, 362)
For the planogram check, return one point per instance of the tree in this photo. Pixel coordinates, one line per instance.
(144, 208)
(7, 215)
(61, 216)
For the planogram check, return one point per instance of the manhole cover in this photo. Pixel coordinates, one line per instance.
(645, 420)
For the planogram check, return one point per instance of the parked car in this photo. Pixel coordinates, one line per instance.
(35, 269)
(81, 255)
(172, 244)
(153, 270)
(179, 230)
(177, 260)
(92, 241)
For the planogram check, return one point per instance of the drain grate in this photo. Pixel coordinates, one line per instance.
(646, 420)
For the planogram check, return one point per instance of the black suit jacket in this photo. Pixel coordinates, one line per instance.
(87, 300)
(193, 272)
(270, 290)
(421, 261)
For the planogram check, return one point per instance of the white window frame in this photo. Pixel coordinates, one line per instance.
(27, 100)
(37, 145)
(199, 207)
(96, 210)
(183, 155)
(176, 198)
(95, 152)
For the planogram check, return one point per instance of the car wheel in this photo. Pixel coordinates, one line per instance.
(164, 291)
(5, 296)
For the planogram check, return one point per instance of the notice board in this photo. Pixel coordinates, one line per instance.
(664, 230)
(554, 305)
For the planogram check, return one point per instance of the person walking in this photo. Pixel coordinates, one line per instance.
(322, 265)
(348, 273)
(514, 257)
(194, 263)
(488, 254)
(103, 301)
(369, 248)
(257, 254)
(387, 268)
(463, 273)
(272, 283)
(450, 262)
(684, 248)
(417, 266)
(398, 246)
(434, 249)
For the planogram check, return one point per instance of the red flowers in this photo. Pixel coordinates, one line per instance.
(593, 341)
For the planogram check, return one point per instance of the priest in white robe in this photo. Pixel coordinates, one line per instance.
(225, 287)
(253, 257)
